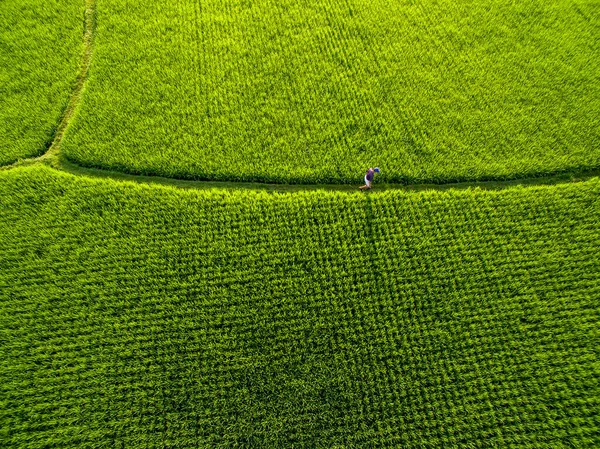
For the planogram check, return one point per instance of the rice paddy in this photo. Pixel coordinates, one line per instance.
(145, 316)
(251, 295)
(316, 91)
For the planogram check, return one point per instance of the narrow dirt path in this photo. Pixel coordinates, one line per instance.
(88, 41)
(559, 178)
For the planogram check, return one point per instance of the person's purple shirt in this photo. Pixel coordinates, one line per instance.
(370, 174)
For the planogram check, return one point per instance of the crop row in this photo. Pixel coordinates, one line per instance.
(137, 316)
(40, 51)
(320, 91)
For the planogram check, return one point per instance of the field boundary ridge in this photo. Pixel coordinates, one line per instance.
(568, 176)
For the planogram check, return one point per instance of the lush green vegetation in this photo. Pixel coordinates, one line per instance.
(139, 315)
(318, 91)
(40, 50)
(144, 316)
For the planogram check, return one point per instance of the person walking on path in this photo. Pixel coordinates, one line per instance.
(369, 178)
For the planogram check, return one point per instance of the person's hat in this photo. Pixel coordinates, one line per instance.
(377, 169)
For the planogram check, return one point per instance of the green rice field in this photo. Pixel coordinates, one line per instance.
(186, 260)
(314, 91)
(40, 50)
(144, 316)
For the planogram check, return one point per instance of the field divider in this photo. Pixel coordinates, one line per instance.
(559, 178)
(88, 43)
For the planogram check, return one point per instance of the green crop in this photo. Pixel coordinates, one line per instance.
(40, 51)
(147, 316)
(319, 91)
(143, 316)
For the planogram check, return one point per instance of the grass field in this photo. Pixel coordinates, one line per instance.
(143, 316)
(40, 51)
(297, 312)
(317, 91)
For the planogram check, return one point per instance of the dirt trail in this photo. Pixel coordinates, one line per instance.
(84, 68)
